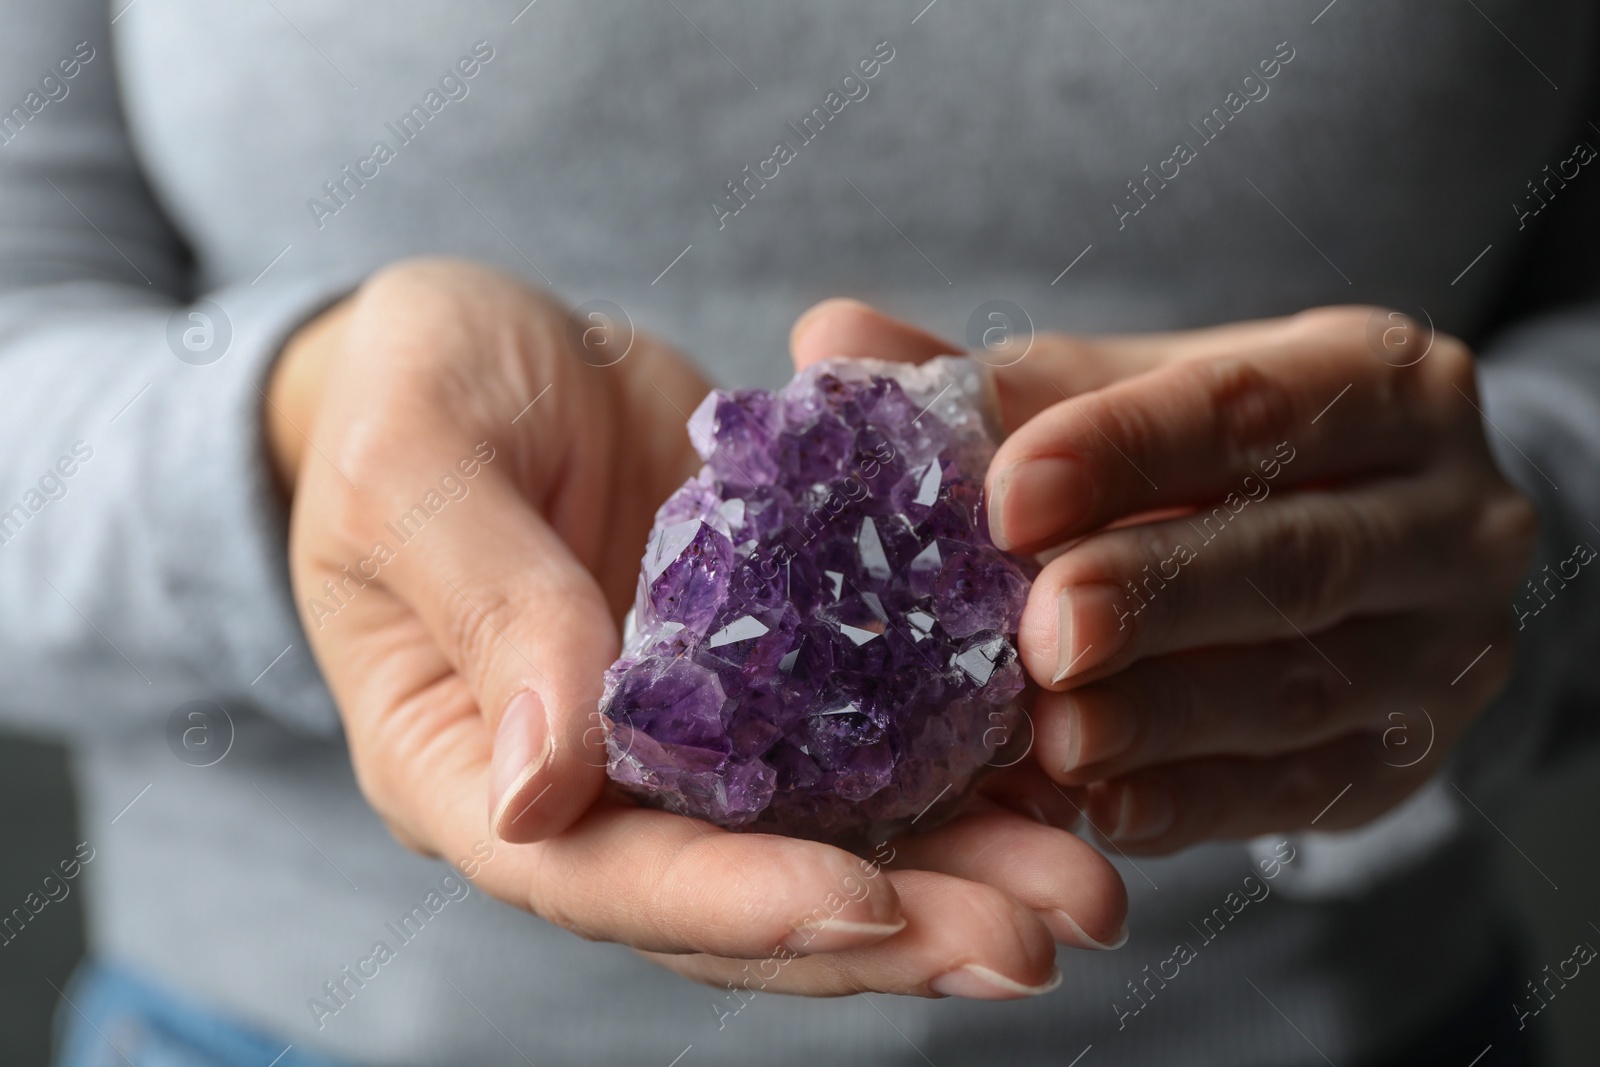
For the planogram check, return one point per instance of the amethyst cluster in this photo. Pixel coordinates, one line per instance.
(823, 640)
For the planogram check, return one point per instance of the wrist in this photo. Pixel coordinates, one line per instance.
(294, 391)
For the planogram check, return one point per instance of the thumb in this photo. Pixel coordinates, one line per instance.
(527, 626)
(846, 328)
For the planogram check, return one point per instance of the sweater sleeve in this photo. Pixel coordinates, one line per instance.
(1540, 398)
(142, 560)
(1539, 386)
(1540, 382)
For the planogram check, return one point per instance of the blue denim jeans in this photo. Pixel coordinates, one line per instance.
(114, 1017)
(156, 1027)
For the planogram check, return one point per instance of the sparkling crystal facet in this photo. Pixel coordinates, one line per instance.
(823, 642)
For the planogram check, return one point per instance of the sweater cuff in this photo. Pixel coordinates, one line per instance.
(265, 658)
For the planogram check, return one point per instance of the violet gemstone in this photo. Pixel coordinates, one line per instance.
(823, 643)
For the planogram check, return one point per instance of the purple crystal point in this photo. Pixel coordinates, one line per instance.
(733, 432)
(824, 639)
(686, 568)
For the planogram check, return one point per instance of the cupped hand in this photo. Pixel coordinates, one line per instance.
(1283, 559)
(472, 475)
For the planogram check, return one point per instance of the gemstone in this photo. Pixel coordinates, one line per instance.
(823, 643)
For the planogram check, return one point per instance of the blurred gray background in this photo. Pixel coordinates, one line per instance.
(36, 796)
(35, 791)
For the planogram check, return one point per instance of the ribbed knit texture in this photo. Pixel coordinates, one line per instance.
(590, 149)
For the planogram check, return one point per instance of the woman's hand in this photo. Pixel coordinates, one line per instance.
(1288, 583)
(1288, 567)
(473, 476)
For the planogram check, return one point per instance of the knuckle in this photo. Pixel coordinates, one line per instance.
(1443, 380)
(1105, 709)
(1065, 346)
(1453, 364)
(1506, 535)
(348, 517)
(364, 447)
(389, 747)
(544, 899)
(1080, 362)
(377, 785)
(477, 628)
(410, 291)
(1249, 410)
(1096, 430)
(1146, 572)
(398, 276)
(415, 275)
(1342, 322)
(1020, 393)
(1017, 385)
(365, 451)
(1311, 564)
(679, 874)
(1300, 788)
(1303, 703)
(989, 916)
(1345, 330)
(1166, 698)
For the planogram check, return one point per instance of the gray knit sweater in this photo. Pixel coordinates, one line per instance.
(183, 182)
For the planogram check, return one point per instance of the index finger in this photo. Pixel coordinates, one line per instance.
(1058, 366)
(1301, 402)
(453, 508)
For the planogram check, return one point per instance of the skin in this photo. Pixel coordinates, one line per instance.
(1240, 699)
(467, 668)
(1304, 658)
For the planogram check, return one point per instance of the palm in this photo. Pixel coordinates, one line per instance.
(592, 449)
(516, 588)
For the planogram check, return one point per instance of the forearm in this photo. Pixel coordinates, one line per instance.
(154, 572)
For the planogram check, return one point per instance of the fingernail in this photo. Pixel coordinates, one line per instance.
(834, 935)
(1072, 717)
(1035, 499)
(1147, 811)
(521, 745)
(976, 982)
(1093, 625)
(1115, 730)
(1065, 929)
